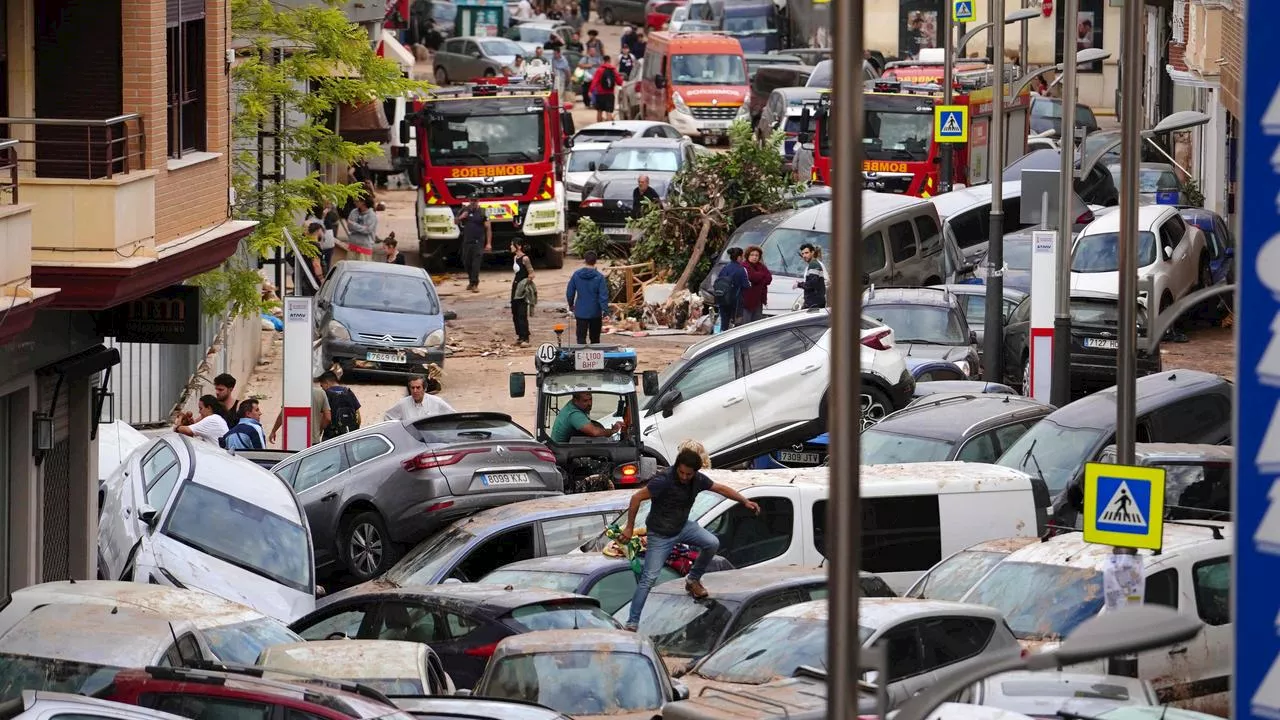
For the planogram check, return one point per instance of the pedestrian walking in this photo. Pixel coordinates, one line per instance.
(730, 286)
(560, 66)
(604, 83)
(330, 218)
(362, 232)
(594, 43)
(588, 296)
(247, 433)
(671, 494)
(524, 293)
(211, 424)
(626, 63)
(321, 416)
(301, 283)
(814, 281)
(344, 406)
(756, 297)
(394, 256)
(418, 404)
(477, 239)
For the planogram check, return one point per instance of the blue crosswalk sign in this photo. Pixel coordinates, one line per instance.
(1124, 506)
(962, 11)
(951, 123)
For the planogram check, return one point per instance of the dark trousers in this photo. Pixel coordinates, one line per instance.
(728, 315)
(472, 254)
(520, 317)
(589, 326)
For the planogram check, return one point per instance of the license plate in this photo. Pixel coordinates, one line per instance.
(1102, 344)
(716, 125)
(499, 210)
(588, 360)
(617, 231)
(386, 357)
(492, 479)
(799, 457)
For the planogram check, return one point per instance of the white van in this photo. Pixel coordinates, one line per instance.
(913, 515)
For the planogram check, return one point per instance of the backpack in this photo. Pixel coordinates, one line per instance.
(724, 286)
(609, 80)
(343, 411)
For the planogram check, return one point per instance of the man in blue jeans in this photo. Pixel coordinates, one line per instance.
(672, 493)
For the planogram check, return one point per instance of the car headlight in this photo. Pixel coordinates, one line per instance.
(335, 330)
(572, 187)
(435, 338)
(964, 366)
(680, 104)
(744, 110)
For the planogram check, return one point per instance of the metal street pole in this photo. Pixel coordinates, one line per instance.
(948, 81)
(1024, 43)
(993, 17)
(992, 354)
(1060, 384)
(843, 540)
(1132, 42)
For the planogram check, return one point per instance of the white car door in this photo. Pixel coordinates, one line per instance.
(1181, 266)
(148, 486)
(1200, 588)
(711, 407)
(786, 377)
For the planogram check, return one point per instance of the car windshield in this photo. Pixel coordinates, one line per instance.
(580, 160)
(498, 47)
(386, 292)
(568, 614)
(633, 158)
(927, 324)
(792, 125)
(749, 24)
(1052, 109)
(243, 534)
(602, 135)
(562, 581)
(393, 687)
(879, 447)
(680, 626)
(530, 34)
(955, 576)
(708, 70)
(822, 75)
(465, 138)
(1153, 180)
(1017, 253)
(701, 504)
(768, 649)
(578, 682)
(26, 672)
(897, 135)
(424, 562)
(782, 249)
(1101, 253)
(448, 430)
(1052, 452)
(243, 642)
(1102, 311)
(1040, 601)
(1061, 688)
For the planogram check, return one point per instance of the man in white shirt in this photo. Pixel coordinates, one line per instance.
(524, 11)
(418, 404)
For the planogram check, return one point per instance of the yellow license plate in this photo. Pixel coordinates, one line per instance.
(499, 210)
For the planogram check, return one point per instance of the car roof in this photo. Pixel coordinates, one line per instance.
(875, 613)
(629, 125)
(457, 706)
(541, 508)
(649, 142)
(351, 266)
(797, 94)
(1010, 293)
(935, 297)
(171, 603)
(957, 201)
(347, 659)
(578, 564)
(785, 320)
(1151, 391)
(239, 477)
(496, 599)
(950, 416)
(1149, 218)
(95, 634)
(1182, 452)
(597, 639)
(742, 583)
(1071, 550)
(876, 205)
(590, 146)
(92, 707)
(816, 218)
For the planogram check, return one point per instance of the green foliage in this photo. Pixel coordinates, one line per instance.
(589, 237)
(1191, 188)
(721, 190)
(317, 40)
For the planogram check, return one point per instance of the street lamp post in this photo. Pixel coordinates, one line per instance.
(1014, 17)
(1024, 42)
(992, 356)
(1060, 377)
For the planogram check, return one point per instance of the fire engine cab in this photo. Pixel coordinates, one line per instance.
(498, 143)
(900, 153)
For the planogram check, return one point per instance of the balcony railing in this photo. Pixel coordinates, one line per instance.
(8, 172)
(78, 148)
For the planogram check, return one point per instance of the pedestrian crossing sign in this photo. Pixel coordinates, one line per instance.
(962, 11)
(951, 124)
(1124, 505)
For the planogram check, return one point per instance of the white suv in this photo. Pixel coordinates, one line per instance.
(762, 386)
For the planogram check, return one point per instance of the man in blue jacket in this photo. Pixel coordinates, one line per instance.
(728, 288)
(588, 296)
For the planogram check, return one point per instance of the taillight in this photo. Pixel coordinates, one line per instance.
(1025, 652)
(628, 471)
(483, 651)
(592, 202)
(877, 340)
(439, 506)
(543, 454)
(1085, 218)
(429, 460)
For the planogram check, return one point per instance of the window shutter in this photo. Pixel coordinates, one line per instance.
(180, 11)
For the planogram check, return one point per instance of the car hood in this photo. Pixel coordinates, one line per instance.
(577, 179)
(199, 571)
(713, 94)
(1106, 282)
(950, 353)
(381, 322)
(601, 176)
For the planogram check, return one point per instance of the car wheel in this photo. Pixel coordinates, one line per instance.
(367, 549)
(608, 16)
(1026, 377)
(875, 405)
(442, 76)
(1206, 274)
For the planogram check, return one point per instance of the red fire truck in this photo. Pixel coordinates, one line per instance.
(501, 144)
(901, 156)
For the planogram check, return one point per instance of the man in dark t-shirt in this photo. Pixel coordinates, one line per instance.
(672, 493)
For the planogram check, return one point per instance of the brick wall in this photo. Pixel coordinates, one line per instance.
(192, 196)
(1178, 45)
(1233, 52)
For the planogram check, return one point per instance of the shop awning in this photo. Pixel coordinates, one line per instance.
(363, 123)
(391, 48)
(19, 310)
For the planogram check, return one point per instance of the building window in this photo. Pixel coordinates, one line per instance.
(186, 69)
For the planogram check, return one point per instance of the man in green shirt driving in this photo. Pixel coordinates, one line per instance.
(574, 419)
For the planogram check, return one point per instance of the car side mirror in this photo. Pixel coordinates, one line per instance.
(515, 384)
(649, 382)
(602, 166)
(668, 402)
(566, 123)
(450, 315)
(477, 55)
(805, 138)
(679, 690)
(973, 337)
(149, 516)
(806, 146)
(1168, 252)
(462, 692)
(660, 81)
(404, 132)
(591, 166)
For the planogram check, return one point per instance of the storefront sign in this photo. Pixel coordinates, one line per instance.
(169, 317)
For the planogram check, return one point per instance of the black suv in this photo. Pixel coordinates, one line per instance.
(970, 427)
(927, 323)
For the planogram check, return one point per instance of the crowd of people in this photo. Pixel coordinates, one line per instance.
(742, 288)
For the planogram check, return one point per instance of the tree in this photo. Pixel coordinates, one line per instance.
(326, 61)
(707, 200)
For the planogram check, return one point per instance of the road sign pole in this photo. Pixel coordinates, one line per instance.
(1061, 394)
(1040, 375)
(298, 364)
(992, 356)
(944, 184)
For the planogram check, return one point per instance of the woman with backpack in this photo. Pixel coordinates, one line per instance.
(756, 296)
(729, 287)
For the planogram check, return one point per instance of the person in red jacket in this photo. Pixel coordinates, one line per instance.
(603, 85)
(755, 297)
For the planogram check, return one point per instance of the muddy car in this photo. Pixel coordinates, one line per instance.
(398, 670)
(955, 576)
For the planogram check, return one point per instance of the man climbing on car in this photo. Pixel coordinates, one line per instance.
(672, 493)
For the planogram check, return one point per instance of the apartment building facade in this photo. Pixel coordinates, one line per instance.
(114, 189)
